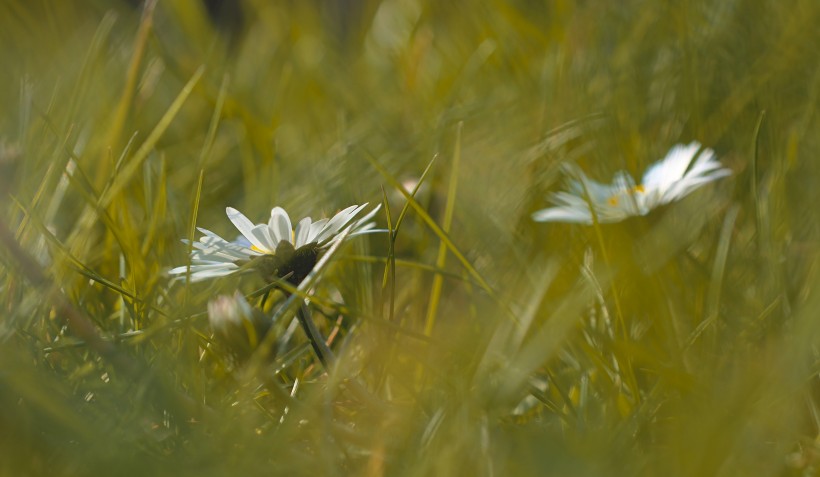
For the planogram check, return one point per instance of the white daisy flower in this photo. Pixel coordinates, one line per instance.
(667, 180)
(214, 256)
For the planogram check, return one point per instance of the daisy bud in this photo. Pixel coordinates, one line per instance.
(237, 325)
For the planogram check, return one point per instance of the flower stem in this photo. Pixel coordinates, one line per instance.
(317, 341)
(629, 373)
(328, 359)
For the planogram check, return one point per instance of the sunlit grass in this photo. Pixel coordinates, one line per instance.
(466, 338)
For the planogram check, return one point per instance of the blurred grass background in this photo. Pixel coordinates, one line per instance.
(682, 343)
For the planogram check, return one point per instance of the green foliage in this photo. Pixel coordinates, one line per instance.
(469, 340)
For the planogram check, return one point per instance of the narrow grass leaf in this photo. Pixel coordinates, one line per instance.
(131, 167)
(441, 259)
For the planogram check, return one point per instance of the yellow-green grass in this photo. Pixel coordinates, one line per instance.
(470, 339)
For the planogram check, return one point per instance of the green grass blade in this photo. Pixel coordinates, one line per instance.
(441, 259)
(133, 165)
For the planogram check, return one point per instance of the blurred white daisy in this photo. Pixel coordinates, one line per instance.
(667, 180)
(214, 256)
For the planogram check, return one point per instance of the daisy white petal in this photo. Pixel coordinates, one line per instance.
(363, 225)
(335, 225)
(302, 233)
(263, 235)
(212, 256)
(705, 169)
(178, 270)
(671, 168)
(245, 227)
(204, 273)
(208, 233)
(563, 214)
(598, 192)
(205, 270)
(369, 216)
(241, 240)
(279, 225)
(665, 181)
(315, 229)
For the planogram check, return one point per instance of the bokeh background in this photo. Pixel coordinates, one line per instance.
(680, 343)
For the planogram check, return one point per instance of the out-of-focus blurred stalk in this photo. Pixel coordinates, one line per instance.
(115, 129)
(177, 403)
(441, 260)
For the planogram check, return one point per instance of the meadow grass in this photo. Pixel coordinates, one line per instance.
(469, 339)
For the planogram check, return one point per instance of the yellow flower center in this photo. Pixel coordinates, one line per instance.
(638, 189)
